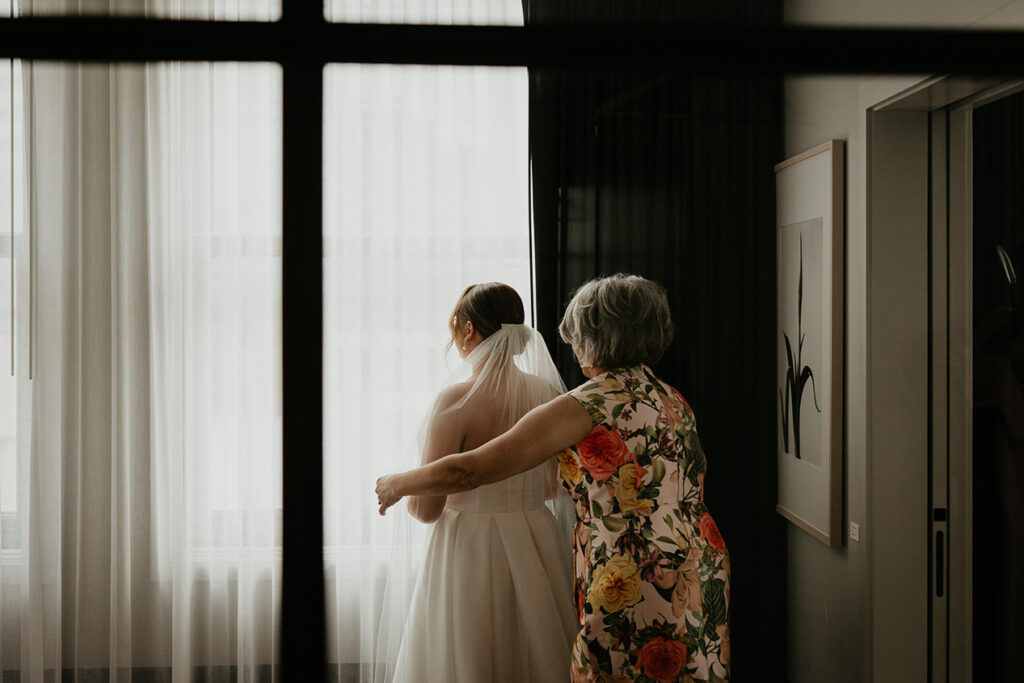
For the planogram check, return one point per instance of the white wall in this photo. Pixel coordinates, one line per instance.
(831, 621)
(827, 586)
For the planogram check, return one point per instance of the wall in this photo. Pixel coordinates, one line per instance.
(831, 620)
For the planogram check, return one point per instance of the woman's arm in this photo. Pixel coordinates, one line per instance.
(542, 432)
(446, 433)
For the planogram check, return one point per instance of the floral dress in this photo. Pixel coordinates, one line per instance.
(651, 568)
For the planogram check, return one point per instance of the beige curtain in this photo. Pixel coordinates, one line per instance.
(148, 507)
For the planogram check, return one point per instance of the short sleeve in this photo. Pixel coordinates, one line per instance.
(592, 398)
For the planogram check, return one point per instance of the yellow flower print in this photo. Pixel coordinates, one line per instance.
(615, 584)
(568, 468)
(627, 492)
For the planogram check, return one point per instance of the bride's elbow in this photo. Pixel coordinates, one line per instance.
(425, 511)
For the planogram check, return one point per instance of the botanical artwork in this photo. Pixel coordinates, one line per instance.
(797, 375)
(809, 339)
(800, 340)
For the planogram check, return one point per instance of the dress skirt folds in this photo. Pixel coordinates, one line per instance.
(493, 599)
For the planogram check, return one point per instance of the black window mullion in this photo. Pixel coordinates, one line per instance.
(303, 637)
(720, 49)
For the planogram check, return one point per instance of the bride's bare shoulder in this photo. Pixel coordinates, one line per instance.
(450, 396)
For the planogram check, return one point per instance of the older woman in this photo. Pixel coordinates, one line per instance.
(652, 571)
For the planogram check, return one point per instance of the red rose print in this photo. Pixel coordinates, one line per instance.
(603, 452)
(710, 533)
(662, 659)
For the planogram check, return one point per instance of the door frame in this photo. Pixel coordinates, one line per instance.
(919, 467)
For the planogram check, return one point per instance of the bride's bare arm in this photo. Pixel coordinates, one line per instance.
(445, 434)
(544, 431)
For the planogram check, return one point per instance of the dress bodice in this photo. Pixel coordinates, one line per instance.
(526, 491)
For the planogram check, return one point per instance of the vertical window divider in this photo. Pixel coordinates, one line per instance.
(303, 609)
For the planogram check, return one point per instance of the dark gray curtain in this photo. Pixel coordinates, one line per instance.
(671, 177)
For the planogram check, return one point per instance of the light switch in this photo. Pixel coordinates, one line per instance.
(854, 531)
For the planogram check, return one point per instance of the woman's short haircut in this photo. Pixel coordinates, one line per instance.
(618, 322)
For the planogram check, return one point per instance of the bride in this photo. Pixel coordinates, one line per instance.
(492, 602)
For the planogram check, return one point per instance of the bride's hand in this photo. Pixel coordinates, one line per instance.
(387, 492)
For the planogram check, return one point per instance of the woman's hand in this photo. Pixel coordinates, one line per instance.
(387, 491)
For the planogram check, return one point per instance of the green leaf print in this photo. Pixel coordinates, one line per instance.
(617, 410)
(604, 660)
(595, 509)
(697, 464)
(692, 634)
(713, 598)
(613, 524)
(650, 492)
(657, 472)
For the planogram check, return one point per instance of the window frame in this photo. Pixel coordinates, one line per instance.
(303, 42)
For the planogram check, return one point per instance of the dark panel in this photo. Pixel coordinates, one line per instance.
(998, 391)
(671, 177)
(303, 651)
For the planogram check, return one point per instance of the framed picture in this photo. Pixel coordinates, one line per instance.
(810, 241)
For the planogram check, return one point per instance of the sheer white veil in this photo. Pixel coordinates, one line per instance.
(512, 366)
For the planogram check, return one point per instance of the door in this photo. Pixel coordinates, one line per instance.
(976, 506)
(994, 400)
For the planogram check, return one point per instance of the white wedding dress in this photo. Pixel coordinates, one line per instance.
(493, 600)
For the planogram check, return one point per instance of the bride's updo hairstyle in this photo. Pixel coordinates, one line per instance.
(488, 306)
(618, 322)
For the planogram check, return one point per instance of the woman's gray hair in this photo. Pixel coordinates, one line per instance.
(618, 322)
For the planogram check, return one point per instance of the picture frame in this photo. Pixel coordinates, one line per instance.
(810, 250)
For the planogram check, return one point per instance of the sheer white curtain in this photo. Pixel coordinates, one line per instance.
(141, 540)
(215, 309)
(145, 543)
(82, 417)
(426, 172)
(456, 12)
